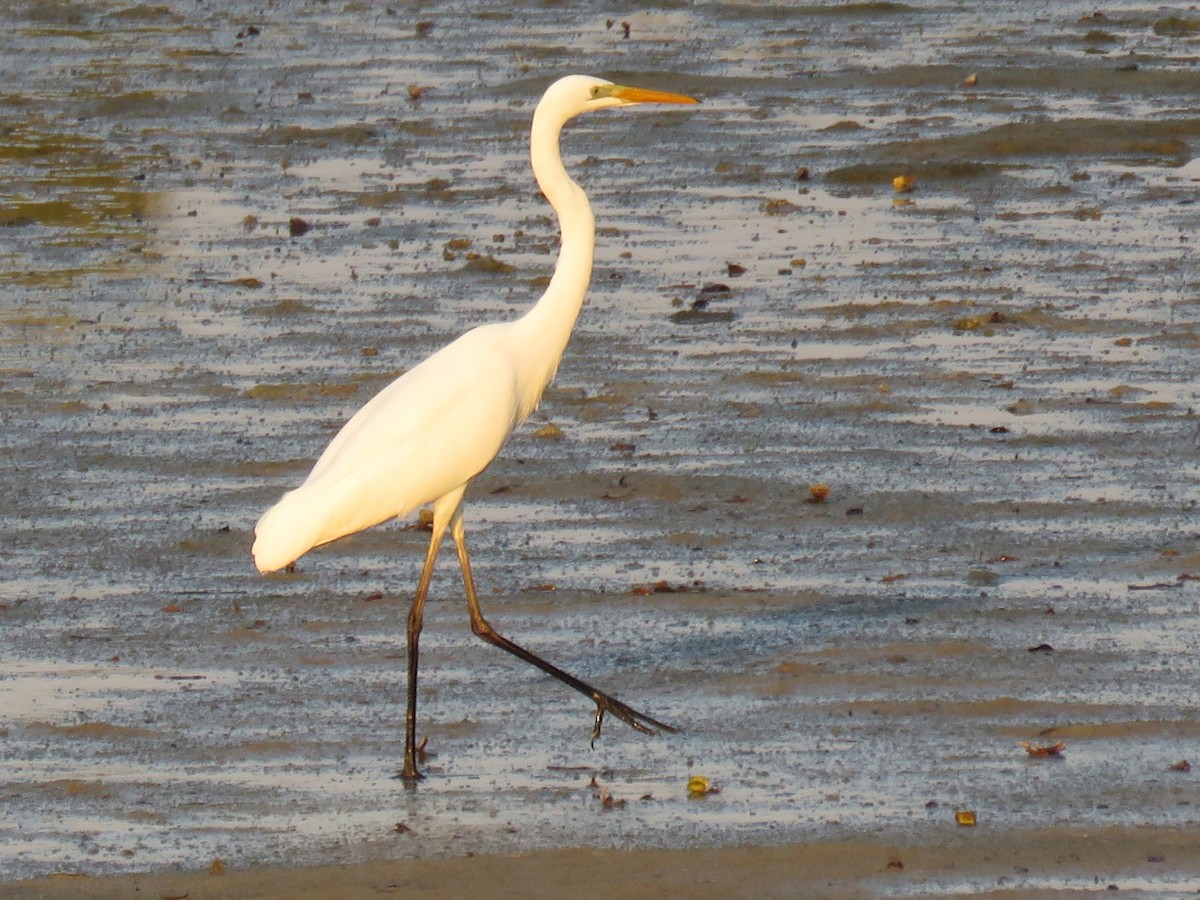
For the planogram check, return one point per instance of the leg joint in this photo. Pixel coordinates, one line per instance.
(480, 627)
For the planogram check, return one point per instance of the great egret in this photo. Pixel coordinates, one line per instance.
(426, 435)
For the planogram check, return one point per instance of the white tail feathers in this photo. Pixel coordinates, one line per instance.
(285, 532)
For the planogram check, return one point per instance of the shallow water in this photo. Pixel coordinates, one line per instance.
(994, 375)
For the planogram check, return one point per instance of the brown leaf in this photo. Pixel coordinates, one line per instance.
(658, 587)
(1054, 749)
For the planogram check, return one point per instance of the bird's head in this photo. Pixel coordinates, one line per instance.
(575, 94)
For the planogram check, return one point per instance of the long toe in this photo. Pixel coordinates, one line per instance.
(636, 720)
(599, 721)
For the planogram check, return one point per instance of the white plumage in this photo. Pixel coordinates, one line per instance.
(426, 435)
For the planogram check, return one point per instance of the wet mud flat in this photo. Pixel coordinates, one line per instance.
(222, 232)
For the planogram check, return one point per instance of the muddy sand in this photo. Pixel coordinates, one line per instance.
(1053, 861)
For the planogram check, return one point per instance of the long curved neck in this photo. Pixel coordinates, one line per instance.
(548, 325)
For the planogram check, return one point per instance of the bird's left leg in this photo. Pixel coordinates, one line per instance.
(605, 703)
(416, 617)
(443, 510)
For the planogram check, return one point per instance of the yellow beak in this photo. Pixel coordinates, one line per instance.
(645, 95)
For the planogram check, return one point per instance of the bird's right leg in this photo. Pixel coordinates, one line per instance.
(605, 703)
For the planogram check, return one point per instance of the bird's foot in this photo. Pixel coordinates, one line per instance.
(409, 774)
(636, 720)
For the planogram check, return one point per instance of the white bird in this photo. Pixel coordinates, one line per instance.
(426, 435)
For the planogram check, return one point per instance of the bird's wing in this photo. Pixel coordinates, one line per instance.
(428, 432)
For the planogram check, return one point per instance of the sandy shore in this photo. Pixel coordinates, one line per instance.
(1012, 864)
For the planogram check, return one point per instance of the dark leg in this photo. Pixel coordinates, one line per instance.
(416, 615)
(444, 510)
(479, 625)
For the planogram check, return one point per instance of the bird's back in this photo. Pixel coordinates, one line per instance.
(430, 431)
